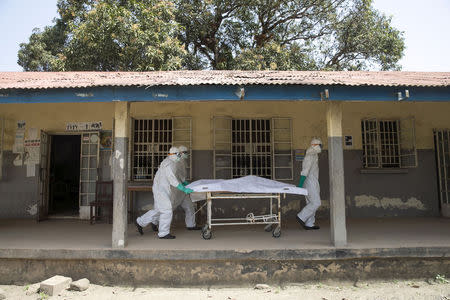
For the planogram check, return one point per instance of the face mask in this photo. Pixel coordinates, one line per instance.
(317, 148)
(174, 157)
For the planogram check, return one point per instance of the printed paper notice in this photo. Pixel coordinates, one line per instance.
(18, 141)
(32, 134)
(31, 170)
(32, 152)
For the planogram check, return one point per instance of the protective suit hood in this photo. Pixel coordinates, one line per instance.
(314, 149)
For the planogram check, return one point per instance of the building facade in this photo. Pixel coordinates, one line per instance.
(63, 132)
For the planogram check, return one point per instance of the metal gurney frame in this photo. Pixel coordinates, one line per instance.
(270, 219)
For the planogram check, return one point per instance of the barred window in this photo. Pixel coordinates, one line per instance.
(261, 147)
(388, 143)
(152, 140)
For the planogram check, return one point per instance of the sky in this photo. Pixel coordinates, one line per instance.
(426, 26)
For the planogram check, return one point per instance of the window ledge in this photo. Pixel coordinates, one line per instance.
(384, 171)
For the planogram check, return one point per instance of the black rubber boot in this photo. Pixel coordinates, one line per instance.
(194, 228)
(139, 228)
(167, 237)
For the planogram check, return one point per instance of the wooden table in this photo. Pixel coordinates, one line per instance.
(137, 187)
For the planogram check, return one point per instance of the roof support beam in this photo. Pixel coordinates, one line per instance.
(120, 174)
(336, 173)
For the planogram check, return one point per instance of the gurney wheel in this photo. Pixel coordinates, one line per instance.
(276, 233)
(268, 228)
(207, 234)
(205, 228)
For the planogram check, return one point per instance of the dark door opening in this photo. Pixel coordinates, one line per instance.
(64, 175)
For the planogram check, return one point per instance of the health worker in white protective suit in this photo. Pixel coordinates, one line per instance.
(309, 180)
(163, 196)
(180, 198)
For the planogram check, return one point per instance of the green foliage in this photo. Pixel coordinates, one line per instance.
(288, 35)
(143, 35)
(108, 35)
(441, 279)
(43, 296)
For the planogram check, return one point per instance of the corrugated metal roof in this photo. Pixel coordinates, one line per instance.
(52, 80)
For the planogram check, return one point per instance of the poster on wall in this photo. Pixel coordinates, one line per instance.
(106, 140)
(19, 137)
(32, 152)
(299, 154)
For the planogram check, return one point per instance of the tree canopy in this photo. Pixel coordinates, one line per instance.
(108, 35)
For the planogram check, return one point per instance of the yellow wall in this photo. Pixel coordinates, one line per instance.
(309, 117)
(53, 117)
(427, 117)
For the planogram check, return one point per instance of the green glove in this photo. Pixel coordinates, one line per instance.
(185, 183)
(184, 189)
(302, 181)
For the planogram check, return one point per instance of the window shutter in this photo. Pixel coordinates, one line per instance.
(370, 143)
(222, 147)
(182, 135)
(408, 149)
(282, 157)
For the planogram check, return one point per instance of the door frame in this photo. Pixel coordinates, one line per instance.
(44, 187)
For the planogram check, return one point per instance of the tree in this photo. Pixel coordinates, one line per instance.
(288, 35)
(146, 35)
(108, 35)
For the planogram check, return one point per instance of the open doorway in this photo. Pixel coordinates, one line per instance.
(64, 177)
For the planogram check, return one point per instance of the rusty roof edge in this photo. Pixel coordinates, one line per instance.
(57, 80)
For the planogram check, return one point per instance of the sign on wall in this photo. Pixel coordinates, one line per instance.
(348, 141)
(300, 154)
(84, 126)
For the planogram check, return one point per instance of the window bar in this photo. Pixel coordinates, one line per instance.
(444, 162)
(439, 164)
(378, 143)
(248, 148)
(148, 152)
(138, 153)
(265, 148)
(244, 144)
(398, 156)
(388, 142)
(259, 144)
(266, 151)
(395, 145)
(366, 162)
(152, 148)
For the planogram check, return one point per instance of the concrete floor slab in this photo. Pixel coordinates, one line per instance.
(374, 233)
(377, 248)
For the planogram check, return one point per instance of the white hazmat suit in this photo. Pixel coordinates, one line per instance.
(181, 197)
(164, 184)
(310, 170)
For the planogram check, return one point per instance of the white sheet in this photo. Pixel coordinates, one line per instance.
(247, 184)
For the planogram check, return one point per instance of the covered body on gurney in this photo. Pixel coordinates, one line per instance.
(248, 187)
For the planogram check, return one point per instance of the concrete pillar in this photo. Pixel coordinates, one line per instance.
(336, 166)
(120, 174)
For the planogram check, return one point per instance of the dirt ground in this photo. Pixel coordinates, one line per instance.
(401, 289)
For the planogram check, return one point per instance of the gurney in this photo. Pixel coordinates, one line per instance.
(248, 187)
